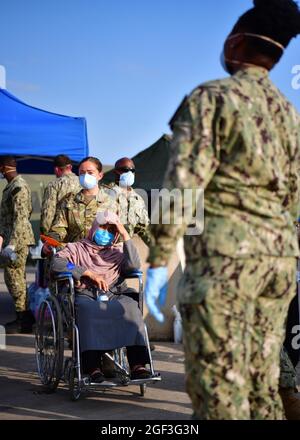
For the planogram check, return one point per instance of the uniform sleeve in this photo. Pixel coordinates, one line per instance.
(109, 203)
(60, 226)
(21, 213)
(195, 155)
(292, 201)
(48, 210)
(142, 229)
(1, 225)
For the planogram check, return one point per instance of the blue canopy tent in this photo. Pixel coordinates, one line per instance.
(35, 136)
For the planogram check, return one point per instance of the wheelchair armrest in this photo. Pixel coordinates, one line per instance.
(133, 274)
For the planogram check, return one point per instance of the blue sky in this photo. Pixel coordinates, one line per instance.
(123, 64)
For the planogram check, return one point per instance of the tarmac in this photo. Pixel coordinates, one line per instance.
(22, 396)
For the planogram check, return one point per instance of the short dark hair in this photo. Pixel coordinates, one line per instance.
(8, 161)
(276, 19)
(61, 161)
(94, 160)
(123, 159)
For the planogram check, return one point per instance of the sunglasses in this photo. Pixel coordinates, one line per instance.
(126, 169)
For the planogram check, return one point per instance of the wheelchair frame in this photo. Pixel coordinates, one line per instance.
(57, 316)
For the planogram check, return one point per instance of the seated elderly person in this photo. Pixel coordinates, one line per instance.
(98, 264)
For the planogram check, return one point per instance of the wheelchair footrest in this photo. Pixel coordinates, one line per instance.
(152, 379)
(117, 383)
(102, 385)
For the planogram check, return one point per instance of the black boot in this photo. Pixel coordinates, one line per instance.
(14, 326)
(27, 321)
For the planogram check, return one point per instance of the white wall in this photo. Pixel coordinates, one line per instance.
(162, 332)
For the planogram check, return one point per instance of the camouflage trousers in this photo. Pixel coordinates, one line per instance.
(15, 279)
(233, 334)
(288, 375)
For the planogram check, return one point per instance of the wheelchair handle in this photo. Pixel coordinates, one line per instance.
(134, 274)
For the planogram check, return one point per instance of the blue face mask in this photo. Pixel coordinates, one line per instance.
(103, 237)
(87, 181)
(126, 179)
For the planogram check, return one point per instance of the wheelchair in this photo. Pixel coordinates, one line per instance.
(56, 326)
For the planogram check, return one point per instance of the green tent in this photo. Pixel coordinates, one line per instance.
(150, 164)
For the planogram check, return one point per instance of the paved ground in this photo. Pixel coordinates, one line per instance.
(21, 395)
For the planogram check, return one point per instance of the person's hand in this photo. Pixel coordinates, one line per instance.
(97, 279)
(156, 291)
(47, 251)
(9, 252)
(1, 242)
(122, 231)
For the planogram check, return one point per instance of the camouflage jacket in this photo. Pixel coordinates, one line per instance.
(16, 208)
(54, 192)
(132, 211)
(239, 140)
(75, 215)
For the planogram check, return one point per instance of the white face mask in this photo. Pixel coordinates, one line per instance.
(87, 181)
(260, 37)
(126, 179)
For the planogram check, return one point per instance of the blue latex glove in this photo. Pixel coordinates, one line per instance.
(156, 291)
(9, 252)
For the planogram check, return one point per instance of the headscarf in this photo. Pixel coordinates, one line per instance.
(103, 260)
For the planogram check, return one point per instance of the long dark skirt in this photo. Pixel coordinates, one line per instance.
(109, 325)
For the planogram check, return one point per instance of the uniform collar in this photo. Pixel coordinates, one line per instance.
(253, 72)
(99, 197)
(14, 180)
(113, 186)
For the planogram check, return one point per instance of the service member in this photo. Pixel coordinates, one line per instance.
(132, 208)
(66, 182)
(239, 140)
(16, 236)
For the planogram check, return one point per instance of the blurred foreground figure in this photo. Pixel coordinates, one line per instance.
(239, 140)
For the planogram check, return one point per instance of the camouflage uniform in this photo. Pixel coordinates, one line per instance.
(54, 192)
(75, 215)
(133, 212)
(288, 374)
(238, 139)
(16, 230)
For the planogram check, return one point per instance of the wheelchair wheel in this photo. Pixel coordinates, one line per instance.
(49, 343)
(75, 387)
(143, 388)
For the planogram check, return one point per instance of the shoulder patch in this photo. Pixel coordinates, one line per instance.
(16, 190)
